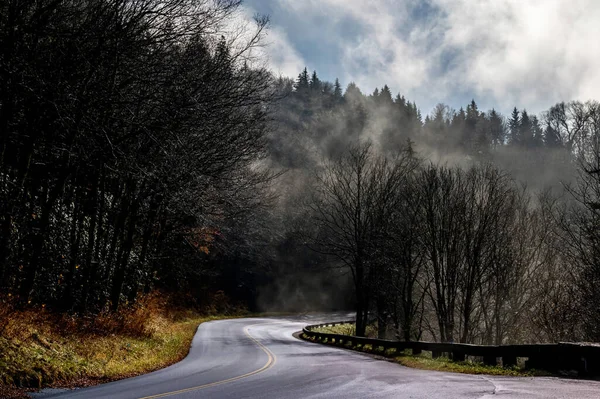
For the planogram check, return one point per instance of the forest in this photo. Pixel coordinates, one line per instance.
(147, 148)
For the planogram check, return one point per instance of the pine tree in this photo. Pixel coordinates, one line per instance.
(472, 112)
(552, 138)
(400, 101)
(538, 132)
(469, 135)
(514, 126)
(337, 91)
(352, 92)
(418, 117)
(315, 82)
(496, 128)
(525, 130)
(303, 82)
(440, 120)
(385, 96)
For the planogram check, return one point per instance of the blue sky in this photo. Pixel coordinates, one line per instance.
(503, 53)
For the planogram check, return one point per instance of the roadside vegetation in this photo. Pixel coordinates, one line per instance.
(424, 360)
(44, 349)
(349, 329)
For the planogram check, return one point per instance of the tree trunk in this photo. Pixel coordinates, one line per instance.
(123, 258)
(382, 323)
(89, 253)
(75, 238)
(27, 286)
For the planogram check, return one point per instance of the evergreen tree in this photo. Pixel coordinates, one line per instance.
(352, 93)
(538, 132)
(438, 124)
(525, 130)
(483, 134)
(413, 121)
(457, 127)
(303, 82)
(375, 95)
(552, 138)
(472, 113)
(497, 129)
(401, 101)
(514, 126)
(315, 82)
(469, 135)
(417, 112)
(385, 96)
(337, 91)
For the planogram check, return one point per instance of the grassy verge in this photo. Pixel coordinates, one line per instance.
(38, 349)
(466, 367)
(424, 360)
(348, 329)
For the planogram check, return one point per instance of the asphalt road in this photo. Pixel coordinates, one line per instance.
(259, 358)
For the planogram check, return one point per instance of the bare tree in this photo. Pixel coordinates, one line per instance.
(580, 246)
(354, 199)
(407, 259)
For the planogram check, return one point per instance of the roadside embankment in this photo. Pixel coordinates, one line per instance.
(41, 349)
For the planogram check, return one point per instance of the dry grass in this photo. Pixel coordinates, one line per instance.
(40, 349)
(348, 329)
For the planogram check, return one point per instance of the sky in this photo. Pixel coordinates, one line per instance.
(502, 53)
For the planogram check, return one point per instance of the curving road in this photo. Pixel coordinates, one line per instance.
(259, 358)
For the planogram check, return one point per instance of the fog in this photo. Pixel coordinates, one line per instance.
(316, 121)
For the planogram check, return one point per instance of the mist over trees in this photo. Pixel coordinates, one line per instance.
(144, 146)
(454, 227)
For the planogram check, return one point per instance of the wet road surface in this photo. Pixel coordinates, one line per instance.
(259, 358)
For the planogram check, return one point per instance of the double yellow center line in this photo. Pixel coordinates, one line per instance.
(270, 362)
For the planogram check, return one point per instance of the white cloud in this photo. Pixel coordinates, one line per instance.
(281, 56)
(528, 53)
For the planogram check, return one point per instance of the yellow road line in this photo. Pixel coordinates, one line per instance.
(270, 362)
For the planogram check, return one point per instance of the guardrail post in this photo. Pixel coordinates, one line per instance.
(509, 361)
(436, 354)
(490, 360)
(458, 356)
(547, 359)
(416, 351)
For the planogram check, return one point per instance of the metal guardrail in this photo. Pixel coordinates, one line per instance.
(584, 358)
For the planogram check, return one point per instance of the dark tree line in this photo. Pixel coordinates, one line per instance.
(130, 132)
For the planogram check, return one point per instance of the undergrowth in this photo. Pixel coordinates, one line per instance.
(348, 329)
(39, 348)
